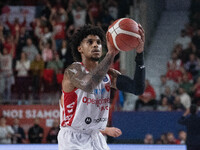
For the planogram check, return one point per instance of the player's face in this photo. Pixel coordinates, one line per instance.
(91, 47)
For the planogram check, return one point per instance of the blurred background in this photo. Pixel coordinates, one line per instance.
(34, 52)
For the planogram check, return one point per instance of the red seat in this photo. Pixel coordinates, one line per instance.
(59, 78)
(48, 75)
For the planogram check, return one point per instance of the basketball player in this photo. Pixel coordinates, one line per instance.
(84, 104)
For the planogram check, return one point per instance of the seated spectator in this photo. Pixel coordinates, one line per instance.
(164, 105)
(36, 132)
(183, 39)
(173, 73)
(186, 84)
(169, 95)
(36, 68)
(146, 101)
(174, 62)
(193, 65)
(6, 132)
(177, 105)
(19, 134)
(182, 137)
(23, 80)
(148, 139)
(163, 138)
(171, 139)
(53, 132)
(167, 83)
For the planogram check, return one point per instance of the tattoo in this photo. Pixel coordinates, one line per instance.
(87, 81)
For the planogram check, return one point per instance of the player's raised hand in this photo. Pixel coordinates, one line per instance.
(140, 47)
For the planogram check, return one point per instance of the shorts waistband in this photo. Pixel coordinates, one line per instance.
(68, 128)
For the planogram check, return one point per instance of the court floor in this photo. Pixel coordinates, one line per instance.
(112, 147)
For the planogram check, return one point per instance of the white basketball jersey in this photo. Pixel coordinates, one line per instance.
(83, 111)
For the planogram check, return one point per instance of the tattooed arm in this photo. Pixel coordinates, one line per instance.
(76, 77)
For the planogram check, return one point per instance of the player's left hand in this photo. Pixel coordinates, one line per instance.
(114, 132)
(140, 47)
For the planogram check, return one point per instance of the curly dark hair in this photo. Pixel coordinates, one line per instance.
(82, 33)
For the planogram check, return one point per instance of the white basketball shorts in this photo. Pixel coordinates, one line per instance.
(70, 139)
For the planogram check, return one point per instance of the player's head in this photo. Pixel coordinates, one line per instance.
(87, 42)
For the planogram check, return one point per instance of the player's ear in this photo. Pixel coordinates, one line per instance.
(80, 49)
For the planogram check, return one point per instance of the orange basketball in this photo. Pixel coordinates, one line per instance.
(123, 34)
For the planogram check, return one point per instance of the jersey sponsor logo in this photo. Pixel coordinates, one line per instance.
(100, 120)
(95, 101)
(105, 79)
(88, 120)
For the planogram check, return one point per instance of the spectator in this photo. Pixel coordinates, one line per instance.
(23, 80)
(193, 65)
(16, 26)
(79, 14)
(56, 64)
(182, 137)
(171, 139)
(36, 68)
(58, 24)
(186, 84)
(167, 83)
(184, 98)
(174, 62)
(47, 52)
(177, 105)
(183, 39)
(192, 123)
(30, 49)
(19, 134)
(112, 9)
(169, 95)
(6, 74)
(163, 138)
(164, 105)
(94, 11)
(173, 73)
(36, 133)
(6, 132)
(148, 139)
(53, 132)
(196, 90)
(21, 41)
(147, 100)
(65, 54)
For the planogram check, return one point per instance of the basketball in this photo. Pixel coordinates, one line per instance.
(123, 34)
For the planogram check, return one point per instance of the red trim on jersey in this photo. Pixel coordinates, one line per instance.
(70, 104)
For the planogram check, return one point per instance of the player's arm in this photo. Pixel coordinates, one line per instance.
(111, 131)
(137, 84)
(76, 77)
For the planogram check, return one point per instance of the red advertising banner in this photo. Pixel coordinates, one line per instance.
(27, 114)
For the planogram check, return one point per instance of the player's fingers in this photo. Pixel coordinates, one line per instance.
(140, 26)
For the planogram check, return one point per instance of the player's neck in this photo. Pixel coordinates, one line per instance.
(89, 64)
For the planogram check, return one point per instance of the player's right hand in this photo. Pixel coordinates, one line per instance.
(111, 49)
